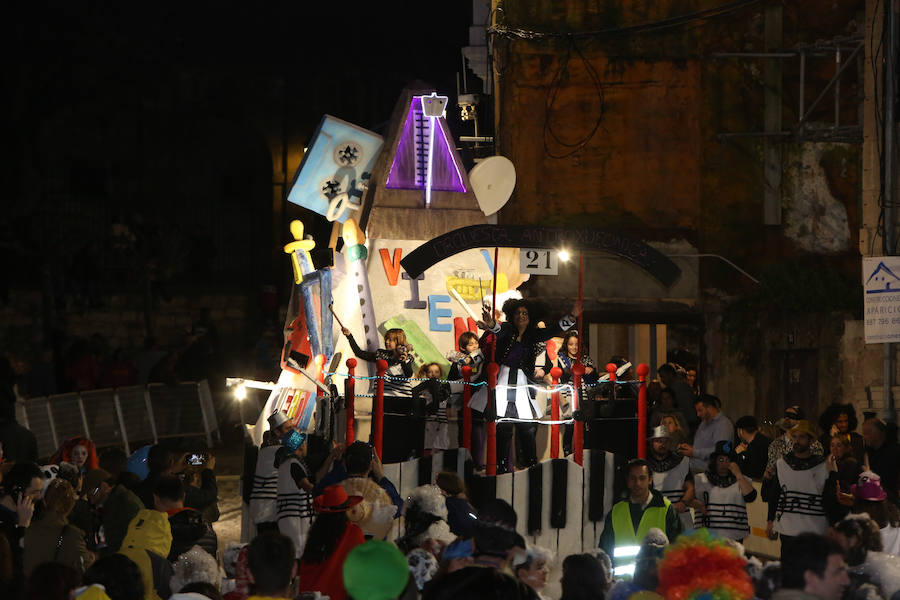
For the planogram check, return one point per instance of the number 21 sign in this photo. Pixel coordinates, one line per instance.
(538, 261)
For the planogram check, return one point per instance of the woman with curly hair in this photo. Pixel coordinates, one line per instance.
(516, 340)
(840, 419)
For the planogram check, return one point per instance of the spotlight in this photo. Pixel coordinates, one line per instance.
(563, 255)
(240, 392)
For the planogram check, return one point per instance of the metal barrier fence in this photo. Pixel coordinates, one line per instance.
(121, 416)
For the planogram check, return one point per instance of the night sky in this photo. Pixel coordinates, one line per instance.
(118, 112)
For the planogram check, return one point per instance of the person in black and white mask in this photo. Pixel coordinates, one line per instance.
(797, 487)
(671, 474)
(722, 495)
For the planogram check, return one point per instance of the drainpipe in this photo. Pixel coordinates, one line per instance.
(889, 237)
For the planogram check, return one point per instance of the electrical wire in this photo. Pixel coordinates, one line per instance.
(530, 34)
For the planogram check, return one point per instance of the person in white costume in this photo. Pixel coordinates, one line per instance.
(722, 495)
(671, 474)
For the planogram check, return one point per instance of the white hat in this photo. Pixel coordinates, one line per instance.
(277, 419)
(660, 431)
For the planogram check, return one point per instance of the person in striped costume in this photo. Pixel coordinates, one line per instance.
(671, 474)
(294, 501)
(398, 354)
(722, 495)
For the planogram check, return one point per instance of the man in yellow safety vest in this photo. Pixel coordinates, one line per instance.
(628, 522)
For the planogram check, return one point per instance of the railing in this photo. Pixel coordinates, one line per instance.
(121, 416)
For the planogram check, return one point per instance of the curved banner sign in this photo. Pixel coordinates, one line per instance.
(644, 256)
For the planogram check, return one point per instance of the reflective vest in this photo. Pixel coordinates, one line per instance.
(627, 540)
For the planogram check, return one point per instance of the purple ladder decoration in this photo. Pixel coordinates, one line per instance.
(409, 169)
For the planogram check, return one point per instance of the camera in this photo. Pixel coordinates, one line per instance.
(197, 459)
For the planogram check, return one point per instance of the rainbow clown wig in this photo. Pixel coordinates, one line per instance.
(701, 567)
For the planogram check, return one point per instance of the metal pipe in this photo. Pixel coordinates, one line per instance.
(837, 87)
(802, 83)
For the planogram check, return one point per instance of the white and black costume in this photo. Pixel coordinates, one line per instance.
(726, 506)
(796, 489)
(515, 355)
(294, 504)
(264, 489)
(669, 476)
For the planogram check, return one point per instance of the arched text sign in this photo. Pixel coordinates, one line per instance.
(522, 236)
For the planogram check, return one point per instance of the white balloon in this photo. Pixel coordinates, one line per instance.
(493, 181)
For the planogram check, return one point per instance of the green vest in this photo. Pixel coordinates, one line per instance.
(627, 540)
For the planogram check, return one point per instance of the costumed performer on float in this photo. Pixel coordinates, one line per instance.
(516, 340)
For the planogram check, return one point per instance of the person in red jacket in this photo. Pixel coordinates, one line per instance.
(330, 539)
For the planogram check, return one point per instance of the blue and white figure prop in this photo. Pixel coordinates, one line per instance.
(335, 169)
(137, 462)
(316, 293)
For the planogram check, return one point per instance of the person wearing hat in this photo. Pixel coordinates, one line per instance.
(752, 453)
(329, 541)
(870, 498)
(293, 503)
(781, 446)
(796, 489)
(671, 474)
(722, 495)
(883, 454)
(377, 570)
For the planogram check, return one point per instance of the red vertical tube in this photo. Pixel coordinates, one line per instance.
(467, 410)
(578, 434)
(378, 409)
(555, 373)
(350, 398)
(642, 370)
(491, 416)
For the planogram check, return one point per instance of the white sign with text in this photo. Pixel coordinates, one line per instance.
(538, 261)
(881, 299)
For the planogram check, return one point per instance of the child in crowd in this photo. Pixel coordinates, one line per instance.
(398, 354)
(469, 353)
(437, 407)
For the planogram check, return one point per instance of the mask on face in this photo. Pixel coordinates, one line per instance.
(293, 439)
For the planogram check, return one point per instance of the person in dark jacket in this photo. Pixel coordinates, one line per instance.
(461, 515)
(19, 491)
(752, 453)
(187, 524)
(201, 491)
(18, 442)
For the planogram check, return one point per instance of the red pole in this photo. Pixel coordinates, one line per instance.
(467, 410)
(378, 410)
(555, 373)
(642, 370)
(578, 434)
(491, 416)
(350, 398)
(580, 301)
(494, 304)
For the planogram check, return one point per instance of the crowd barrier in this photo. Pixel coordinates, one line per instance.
(122, 416)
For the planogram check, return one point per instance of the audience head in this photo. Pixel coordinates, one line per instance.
(667, 398)
(814, 564)
(203, 588)
(118, 575)
(52, 581)
(532, 566)
(840, 446)
(450, 483)
(113, 460)
(747, 426)
(195, 566)
(874, 432)
(584, 578)
(570, 343)
(660, 441)
(358, 458)
(841, 416)
(666, 374)
(857, 535)
(60, 497)
(792, 414)
(720, 459)
(160, 460)
(272, 565)
(707, 406)
(495, 529)
(23, 479)
(802, 435)
(168, 493)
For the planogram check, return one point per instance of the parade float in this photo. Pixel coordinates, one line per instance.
(433, 282)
